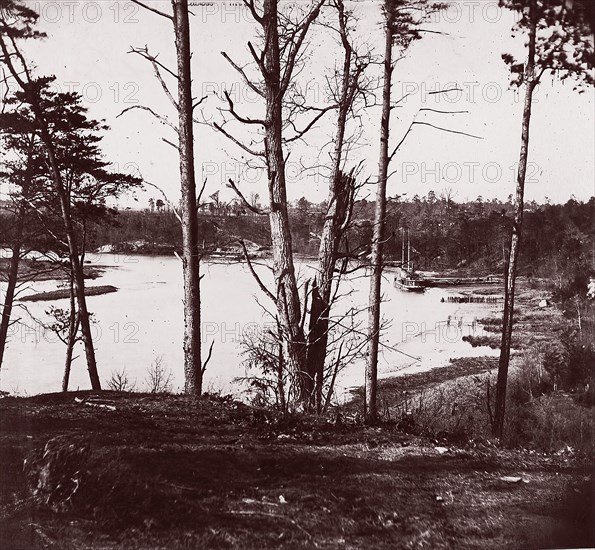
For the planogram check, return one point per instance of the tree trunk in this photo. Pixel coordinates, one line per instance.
(287, 296)
(378, 235)
(73, 327)
(12, 282)
(77, 267)
(509, 294)
(17, 243)
(340, 196)
(190, 253)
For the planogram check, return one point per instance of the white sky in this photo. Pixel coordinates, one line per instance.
(87, 48)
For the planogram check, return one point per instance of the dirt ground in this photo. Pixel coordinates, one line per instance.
(145, 471)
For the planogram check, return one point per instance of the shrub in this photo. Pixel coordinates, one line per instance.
(119, 381)
(536, 417)
(570, 364)
(551, 423)
(72, 474)
(159, 379)
(456, 408)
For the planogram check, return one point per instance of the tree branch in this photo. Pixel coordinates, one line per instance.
(296, 46)
(240, 70)
(159, 117)
(237, 116)
(447, 130)
(197, 103)
(255, 275)
(312, 122)
(455, 89)
(249, 206)
(202, 190)
(143, 52)
(237, 142)
(162, 14)
(390, 158)
(259, 60)
(252, 8)
(204, 366)
(165, 197)
(443, 112)
(176, 147)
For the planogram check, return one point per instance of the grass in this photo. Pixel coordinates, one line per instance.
(170, 472)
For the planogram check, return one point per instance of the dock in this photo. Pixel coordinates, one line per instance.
(432, 281)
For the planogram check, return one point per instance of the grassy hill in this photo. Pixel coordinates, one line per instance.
(147, 471)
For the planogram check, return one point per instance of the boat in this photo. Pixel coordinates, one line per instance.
(409, 281)
(406, 278)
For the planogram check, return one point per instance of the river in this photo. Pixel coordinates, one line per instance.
(143, 321)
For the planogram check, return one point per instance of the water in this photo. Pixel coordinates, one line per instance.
(143, 321)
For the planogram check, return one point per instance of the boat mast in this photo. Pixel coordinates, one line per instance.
(408, 252)
(403, 249)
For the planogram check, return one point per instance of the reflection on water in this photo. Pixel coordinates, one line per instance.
(144, 320)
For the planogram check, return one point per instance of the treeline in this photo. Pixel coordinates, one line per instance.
(444, 234)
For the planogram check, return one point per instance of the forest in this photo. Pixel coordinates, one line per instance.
(445, 235)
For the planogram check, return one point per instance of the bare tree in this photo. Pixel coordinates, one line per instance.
(342, 189)
(159, 379)
(185, 105)
(283, 39)
(119, 381)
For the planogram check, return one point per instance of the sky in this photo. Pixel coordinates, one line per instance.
(87, 49)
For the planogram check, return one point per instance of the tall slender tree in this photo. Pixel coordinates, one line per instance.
(401, 27)
(191, 254)
(559, 38)
(190, 245)
(20, 173)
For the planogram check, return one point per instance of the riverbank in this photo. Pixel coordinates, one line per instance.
(149, 471)
(62, 294)
(44, 270)
(456, 400)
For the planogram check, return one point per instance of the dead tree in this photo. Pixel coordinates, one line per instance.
(282, 42)
(342, 189)
(185, 105)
